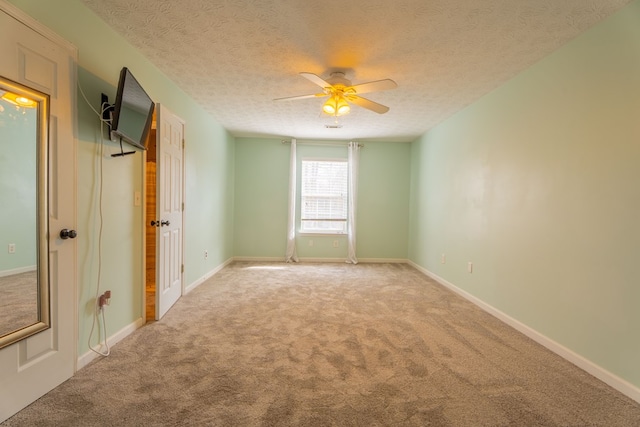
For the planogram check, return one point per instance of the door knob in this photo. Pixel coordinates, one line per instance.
(155, 223)
(163, 223)
(68, 234)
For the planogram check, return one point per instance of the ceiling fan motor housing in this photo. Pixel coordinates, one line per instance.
(338, 78)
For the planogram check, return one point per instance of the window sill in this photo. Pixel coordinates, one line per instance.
(321, 233)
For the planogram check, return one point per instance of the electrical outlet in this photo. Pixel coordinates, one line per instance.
(206, 254)
(470, 267)
(443, 259)
(104, 299)
(12, 248)
(310, 242)
(336, 243)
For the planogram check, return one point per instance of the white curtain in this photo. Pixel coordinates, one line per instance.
(353, 160)
(291, 255)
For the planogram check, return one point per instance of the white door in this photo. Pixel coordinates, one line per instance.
(34, 57)
(169, 187)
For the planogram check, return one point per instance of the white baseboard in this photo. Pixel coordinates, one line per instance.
(258, 259)
(89, 356)
(327, 260)
(597, 371)
(360, 260)
(207, 276)
(383, 260)
(18, 270)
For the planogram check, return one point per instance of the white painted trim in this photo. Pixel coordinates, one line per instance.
(258, 259)
(597, 371)
(89, 356)
(383, 260)
(327, 260)
(206, 277)
(143, 236)
(20, 270)
(38, 27)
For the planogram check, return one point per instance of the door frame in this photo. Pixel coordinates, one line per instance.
(145, 195)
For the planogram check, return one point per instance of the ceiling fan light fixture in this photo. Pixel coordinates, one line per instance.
(330, 106)
(341, 93)
(336, 106)
(343, 107)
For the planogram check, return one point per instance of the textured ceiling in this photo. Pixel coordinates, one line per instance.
(235, 56)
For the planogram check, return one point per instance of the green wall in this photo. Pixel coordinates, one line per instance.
(261, 180)
(208, 163)
(261, 199)
(537, 184)
(18, 170)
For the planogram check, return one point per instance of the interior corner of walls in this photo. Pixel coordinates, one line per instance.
(207, 276)
(91, 355)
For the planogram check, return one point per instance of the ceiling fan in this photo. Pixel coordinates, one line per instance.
(340, 92)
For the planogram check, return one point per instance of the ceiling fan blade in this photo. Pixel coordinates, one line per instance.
(375, 86)
(369, 105)
(293, 98)
(315, 79)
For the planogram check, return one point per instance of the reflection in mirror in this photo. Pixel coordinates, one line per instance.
(24, 287)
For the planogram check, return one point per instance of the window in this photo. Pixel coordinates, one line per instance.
(323, 197)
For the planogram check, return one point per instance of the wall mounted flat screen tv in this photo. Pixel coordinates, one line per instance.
(132, 112)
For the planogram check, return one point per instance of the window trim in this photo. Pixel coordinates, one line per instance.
(305, 232)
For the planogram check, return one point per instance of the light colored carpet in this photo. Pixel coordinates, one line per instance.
(329, 345)
(18, 301)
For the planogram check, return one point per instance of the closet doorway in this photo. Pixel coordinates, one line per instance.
(164, 207)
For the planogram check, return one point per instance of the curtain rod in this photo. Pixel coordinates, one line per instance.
(329, 144)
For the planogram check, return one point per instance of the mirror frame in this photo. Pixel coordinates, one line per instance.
(42, 207)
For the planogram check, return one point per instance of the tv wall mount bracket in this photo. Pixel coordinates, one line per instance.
(107, 111)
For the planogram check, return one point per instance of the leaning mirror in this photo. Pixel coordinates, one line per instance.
(24, 275)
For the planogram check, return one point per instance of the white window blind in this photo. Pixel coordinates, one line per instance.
(323, 201)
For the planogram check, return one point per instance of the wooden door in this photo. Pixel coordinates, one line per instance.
(34, 57)
(169, 175)
(151, 230)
